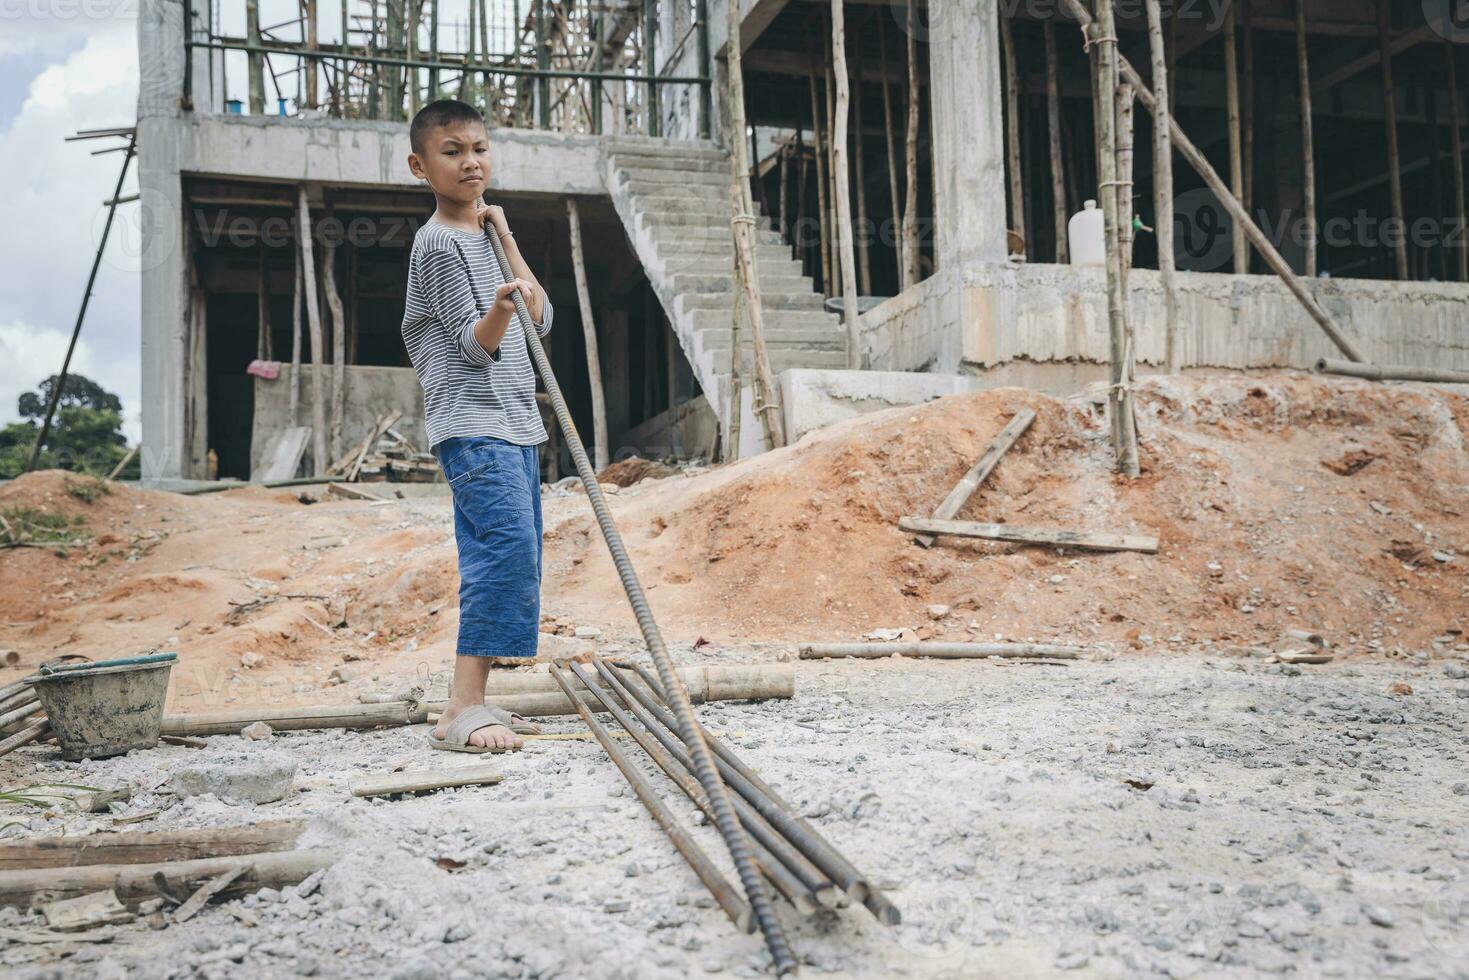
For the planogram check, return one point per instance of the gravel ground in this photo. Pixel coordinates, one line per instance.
(1153, 815)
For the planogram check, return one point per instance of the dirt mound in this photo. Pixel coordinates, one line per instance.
(1279, 502)
(626, 472)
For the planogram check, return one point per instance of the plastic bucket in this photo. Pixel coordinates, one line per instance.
(105, 708)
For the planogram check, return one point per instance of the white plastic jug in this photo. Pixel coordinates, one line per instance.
(1088, 236)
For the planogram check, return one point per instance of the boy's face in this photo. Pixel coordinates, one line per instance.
(455, 161)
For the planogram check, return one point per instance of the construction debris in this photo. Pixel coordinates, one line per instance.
(86, 912)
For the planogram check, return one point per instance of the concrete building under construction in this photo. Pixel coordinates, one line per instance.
(971, 141)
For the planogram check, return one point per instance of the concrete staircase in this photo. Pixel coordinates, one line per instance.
(673, 198)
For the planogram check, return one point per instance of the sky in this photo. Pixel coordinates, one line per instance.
(67, 65)
(60, 71)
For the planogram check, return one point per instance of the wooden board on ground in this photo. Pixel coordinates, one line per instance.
(978, 473)
(133, 882)
(142, 847)
(1079, 540)
(208, 890)
(86, 912)
(425, 780)
(282, 456)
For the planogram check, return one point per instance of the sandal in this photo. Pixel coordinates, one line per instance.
(456, 737)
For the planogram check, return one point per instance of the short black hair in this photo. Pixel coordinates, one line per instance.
(440, 112)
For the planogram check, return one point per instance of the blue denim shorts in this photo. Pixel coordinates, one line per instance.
(497, 527)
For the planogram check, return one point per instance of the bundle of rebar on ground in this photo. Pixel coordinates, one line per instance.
(800, 864)
(725, 789)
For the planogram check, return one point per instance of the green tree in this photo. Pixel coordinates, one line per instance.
(86, 435)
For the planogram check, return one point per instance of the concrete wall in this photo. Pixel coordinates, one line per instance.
(683, 431)
(346, 151)
(370, 392)
(812, 399)
(998, 314)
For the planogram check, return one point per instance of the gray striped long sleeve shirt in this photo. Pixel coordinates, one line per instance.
(452, 278)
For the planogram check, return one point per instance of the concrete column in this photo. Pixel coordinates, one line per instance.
(165, 287)
(968, 132)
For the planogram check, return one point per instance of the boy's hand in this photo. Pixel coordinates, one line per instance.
(492, 216)
(506, 303)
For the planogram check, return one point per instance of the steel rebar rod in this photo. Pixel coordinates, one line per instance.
(840, 869)
(723, 892)
(688, 728)
(810, 878)
(800, 895)
(782, 817)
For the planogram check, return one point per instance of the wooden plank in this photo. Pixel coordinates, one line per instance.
(145, 847)
(283, 454)
(206, 891)
(25, 736)
(133, 882)
(86, 912)
(425, 780)
(981, 470)
(1080, 540)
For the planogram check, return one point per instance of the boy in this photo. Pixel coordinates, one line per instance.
(479, 398)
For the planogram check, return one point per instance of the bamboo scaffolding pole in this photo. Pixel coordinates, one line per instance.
(742, 221)
(938, 651)
(1012, 133)
(864, 256)
(255, 61)
(1231, 107)
(887, 127)
(1247, 105)
(1391, 372)
(1456, 152)
(818, 150)
(1308, 138)
(736, 358)
(1201, 165)
(1124, 445)
(296, 345)
(589, 333)
(1126, 138)
(1390, 121)
(414, 96)
(339, 344)
(312, 66)
(831, 163)
(1163, 187)
(1058, 160)
(320, 458)
(842, 183)
(910, 155)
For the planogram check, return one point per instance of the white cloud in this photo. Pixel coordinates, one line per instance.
(32, 354)
(53, 218)
(31, 26)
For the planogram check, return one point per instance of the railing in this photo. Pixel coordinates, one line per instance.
(551, 74)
